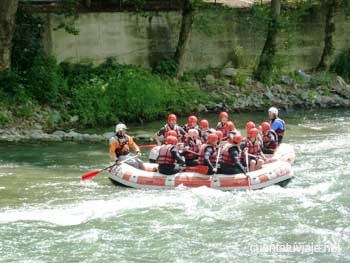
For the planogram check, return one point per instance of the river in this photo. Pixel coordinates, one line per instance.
(48, 215)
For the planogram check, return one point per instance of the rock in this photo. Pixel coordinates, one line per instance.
(73, 119)
(55, 116)
(305, 77)
(227, 83)
(108, 135)
(36, 135)
(287, 80)
(95, 138)
(60, 134)
(340, 87)
(228, 72)
(210, 79)
(202, 108)
(341, 82)
(73, 136)
(144, 137)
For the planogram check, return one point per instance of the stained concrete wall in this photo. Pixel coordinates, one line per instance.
(144, 40)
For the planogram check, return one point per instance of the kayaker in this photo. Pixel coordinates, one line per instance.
(221, 126)
(277, 124)
(230, 156)
(170, 126)
(121, 143)
(205, 130)
(169, 157)
(191, 150)
(253, 147)
(207, 153)
(191, 123)
(270, 138)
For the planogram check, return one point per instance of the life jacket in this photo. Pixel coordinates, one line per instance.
(123, 142)
(280, 132)
(225, 154)
(266, 140)
(202, 153)
(194, 147)
(165, 155)
(222, 127)
(176, 129)
(204, 135)
(254, 148)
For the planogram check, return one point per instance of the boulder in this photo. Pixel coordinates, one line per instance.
(287, 80)
(73, 119)
(108, 135)
(60, 134)
(144, 137)
(210, 79)
(228, 72)
(305, 77)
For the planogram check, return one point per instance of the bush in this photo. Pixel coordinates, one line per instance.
(341, 65)
(166, 66)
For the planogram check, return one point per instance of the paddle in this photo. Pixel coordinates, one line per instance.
(217, 160)
(246, 160)
(92, 174)
(150, 146)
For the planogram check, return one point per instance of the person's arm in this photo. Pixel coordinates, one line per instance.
(158, 135)
(235, 156)
(133, 146)
(176, 156)
(271, 139)
(208, 152)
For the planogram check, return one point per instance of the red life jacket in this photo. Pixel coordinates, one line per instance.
(225, 154)
(254, 148)
(123, 145)
(222, 127)
(202, 153)
(194, 147)
(165, 156)
(280, 132)
(266, 140)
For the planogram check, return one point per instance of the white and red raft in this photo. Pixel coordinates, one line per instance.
(278, 171)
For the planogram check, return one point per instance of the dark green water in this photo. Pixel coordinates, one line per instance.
(48, 215)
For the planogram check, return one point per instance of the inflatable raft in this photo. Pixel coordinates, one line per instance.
(278, 171)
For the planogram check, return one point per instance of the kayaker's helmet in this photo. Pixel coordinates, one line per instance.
(219, 134)
(204, 124)
(193, 133)
(171, 140)
(172, 117)
(171, 133)
(192, 120)
(249, 125)
(273, 110)
(265, 126)
(237, 138)
(230, 126)
(253, 133)
(119, 127)
(222, 115)
(213, 139)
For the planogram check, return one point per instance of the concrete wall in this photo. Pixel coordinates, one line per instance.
(144, 40)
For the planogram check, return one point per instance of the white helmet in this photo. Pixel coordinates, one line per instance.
(193, 133)
(120, 127)
(273, 110)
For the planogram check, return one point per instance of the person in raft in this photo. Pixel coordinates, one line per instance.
(269, 137)
(207, 153)
(253, 147)
(221, 126)
(205, 130)
(170, 126)
(230, 156)
(191, 147)
(230, 130)
(168, 157)
(121, 143)
(191, 124)
(278, 125)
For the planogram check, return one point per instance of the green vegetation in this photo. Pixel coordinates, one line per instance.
(341, 64)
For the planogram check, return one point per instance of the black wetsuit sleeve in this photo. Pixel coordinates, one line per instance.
(208, 152)
(272, 139)
(161, 132)
(235, 156)
(182, 131)
(176, 156)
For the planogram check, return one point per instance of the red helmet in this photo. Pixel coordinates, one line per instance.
(219, 134)
(230, 126)
(265, 126)
(172, 117)
(213, 138)
(237, 138)
(253, 133)
(171, 140)
(204, 124)
(249, 125)
(223, 114)
(192, 120)
(170, 133)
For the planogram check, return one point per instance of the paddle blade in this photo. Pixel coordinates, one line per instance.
(90, 175)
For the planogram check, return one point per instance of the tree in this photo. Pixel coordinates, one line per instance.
(266, 61)
(329, 30)
(184, 37)
(8, 10)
